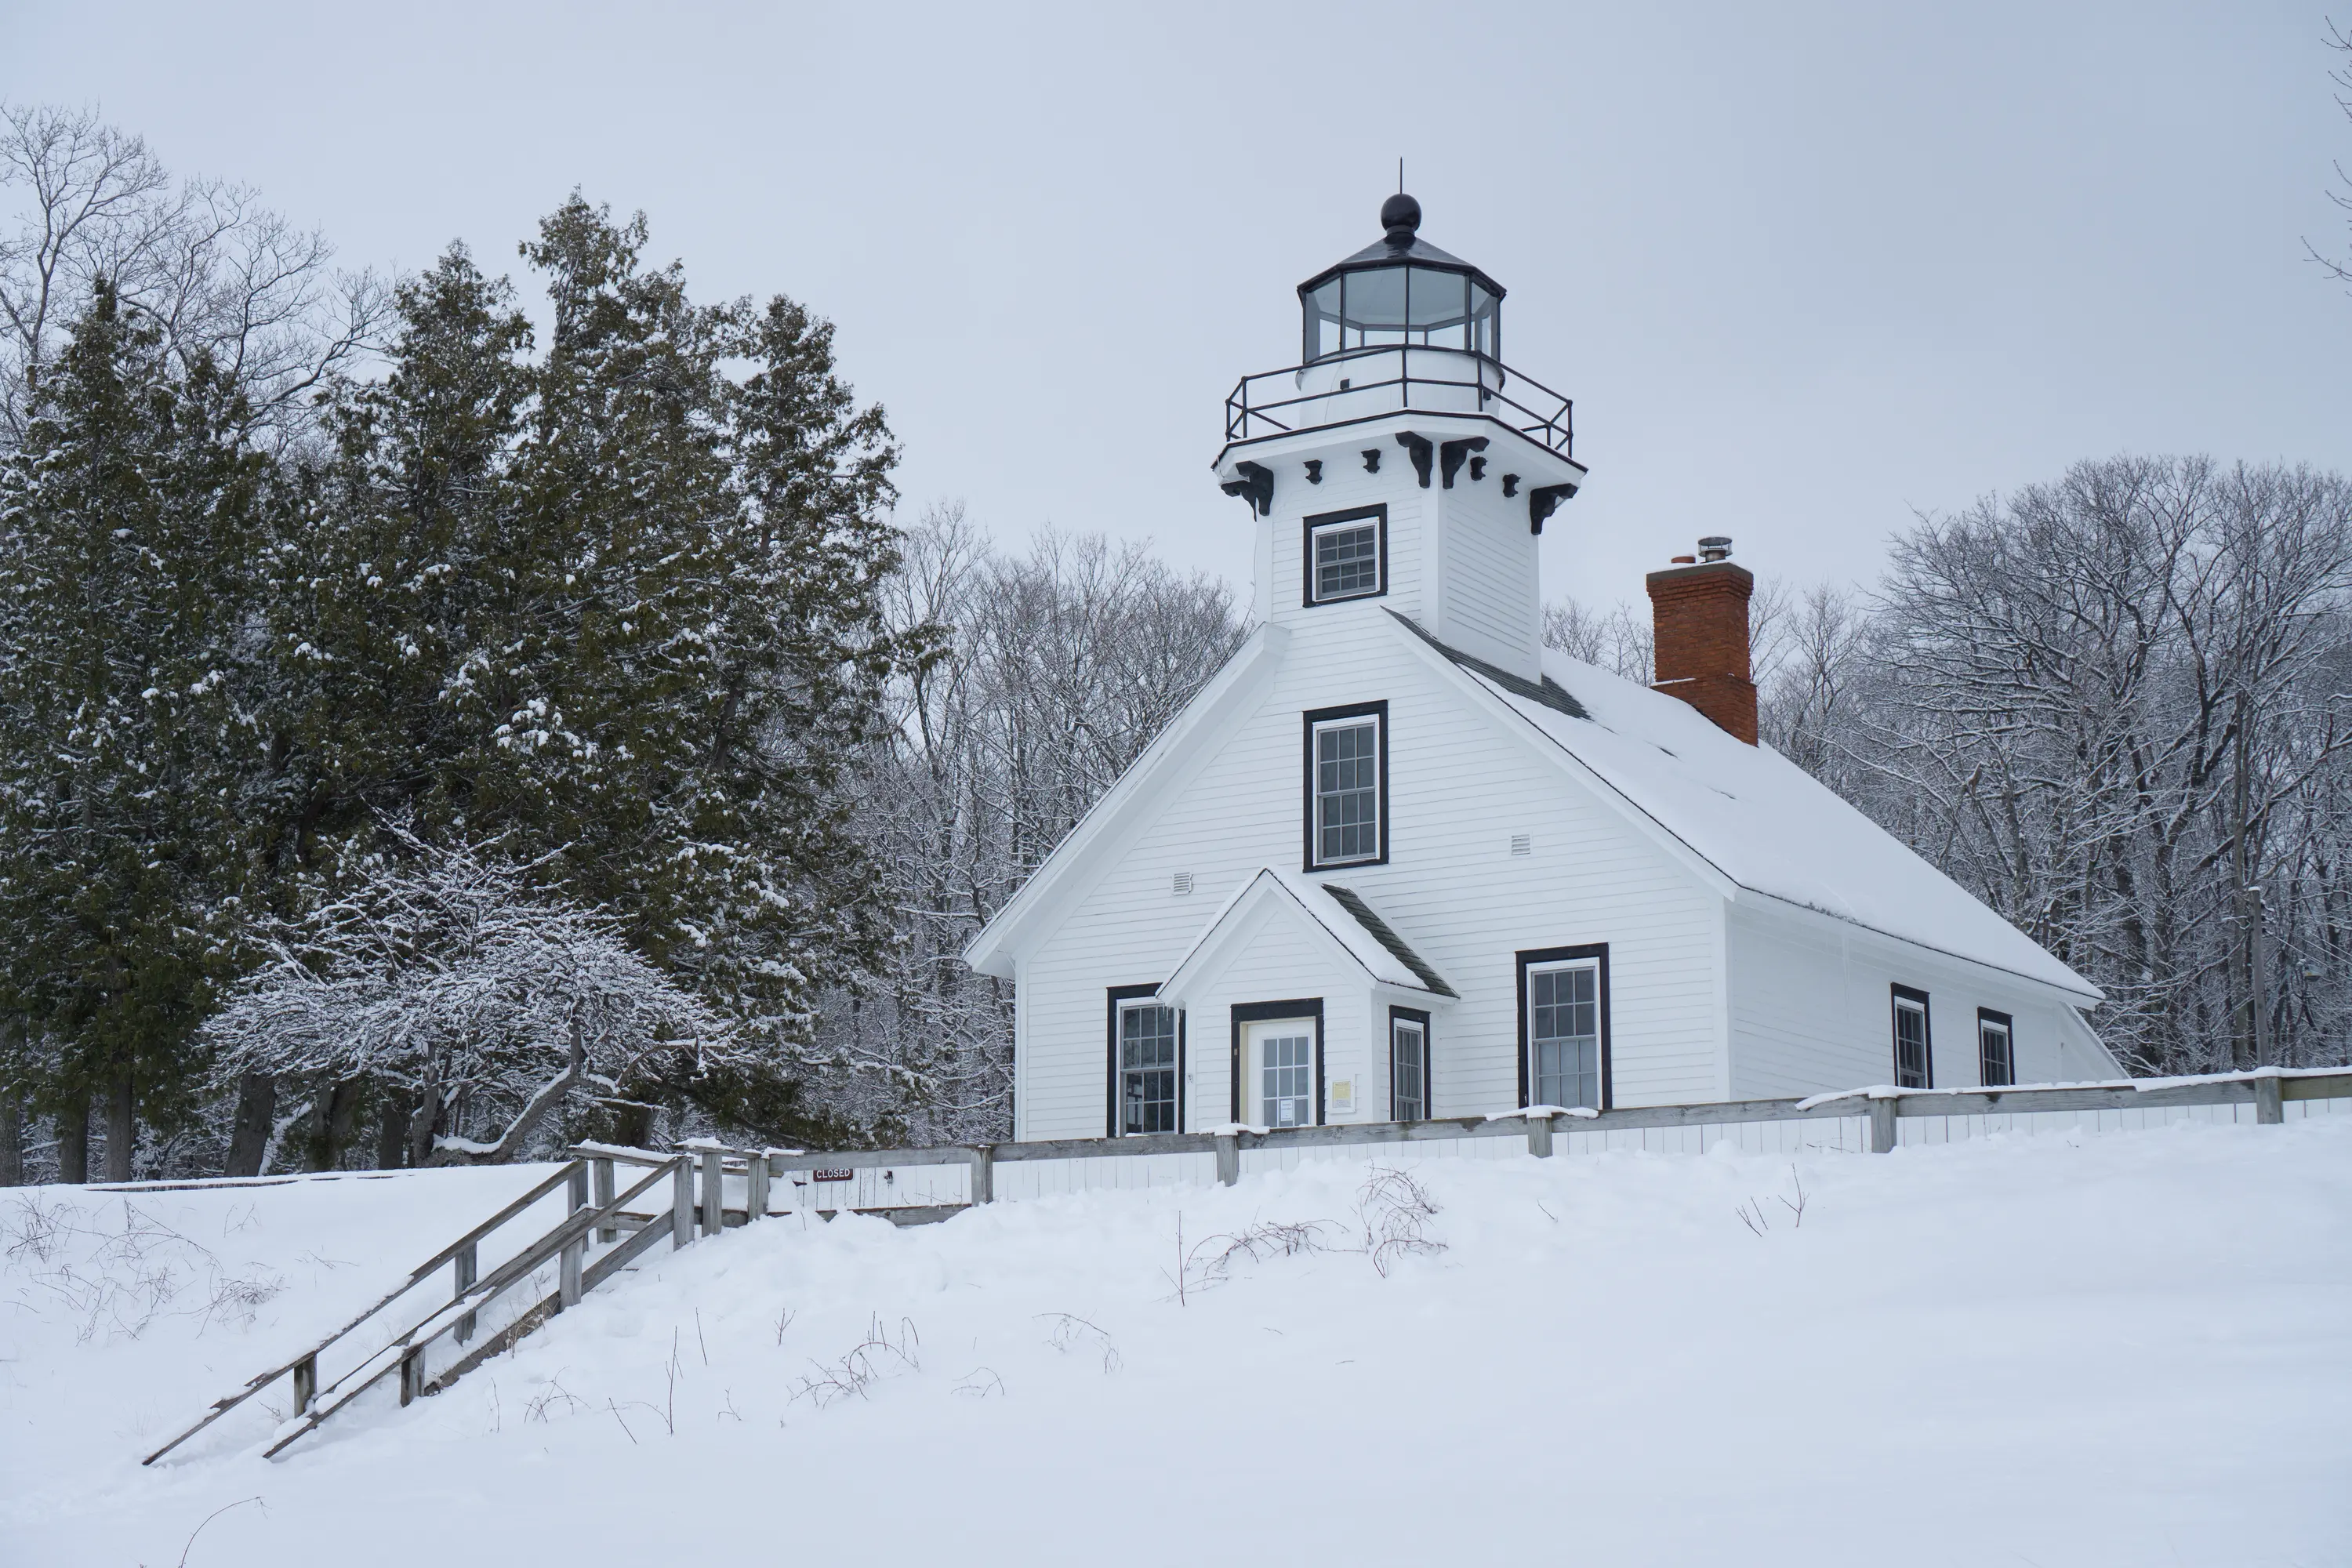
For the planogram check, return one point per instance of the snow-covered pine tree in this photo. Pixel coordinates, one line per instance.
(615, 611)
(129, 519)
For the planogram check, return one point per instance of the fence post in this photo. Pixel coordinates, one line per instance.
(714, 1192)
(1229, 1158)
(1882, 1126)
(604, 1199)
(755, 1187)
(412, 1374)
(567, 1289)
(1539, 1136)
(983, 1174)
(2269, 1103)
(306, 1383)
(681, 1200)
(468, 1269)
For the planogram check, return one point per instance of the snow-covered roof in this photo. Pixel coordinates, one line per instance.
(1338, 913)
(1762, 822)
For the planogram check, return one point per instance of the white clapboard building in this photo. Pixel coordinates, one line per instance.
(1399, 860)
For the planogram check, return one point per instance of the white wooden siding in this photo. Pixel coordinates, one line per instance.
(1280, 961)
(1492, 600)
(1459, 788)
(1282, 538)
(1811, 1011)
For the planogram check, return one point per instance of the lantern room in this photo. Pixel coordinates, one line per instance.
(1402, 292)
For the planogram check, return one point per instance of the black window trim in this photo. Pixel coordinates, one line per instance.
(1248, 1013)
(1378, 513)
(1377, 711)
(1120, 995)
(1900, 992)
(2008, 1028)
(1420, 1017)
(1527, 959)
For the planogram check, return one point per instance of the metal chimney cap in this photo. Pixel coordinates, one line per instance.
(1715, 547)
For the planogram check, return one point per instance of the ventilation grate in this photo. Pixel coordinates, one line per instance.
(1182, 884)
(1522, 844)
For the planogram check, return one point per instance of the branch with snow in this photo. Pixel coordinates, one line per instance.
(451, 980)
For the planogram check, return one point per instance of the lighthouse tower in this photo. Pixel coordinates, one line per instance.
(1400, 463)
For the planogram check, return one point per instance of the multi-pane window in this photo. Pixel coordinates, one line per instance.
(1287, 1068)
(1564, 1034)
(1345, 555)
(1147, 1068)
(1347, 791)
(1911, 1061)
(1407, 1069)
(1996, 1064)
(1347, 562)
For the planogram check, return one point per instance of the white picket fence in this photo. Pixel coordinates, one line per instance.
(924, 1183)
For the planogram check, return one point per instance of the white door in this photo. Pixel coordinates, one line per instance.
(1278, 1074)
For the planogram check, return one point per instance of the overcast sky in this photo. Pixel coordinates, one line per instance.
(1804, 267)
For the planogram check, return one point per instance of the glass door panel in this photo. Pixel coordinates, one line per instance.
(1280, 1083)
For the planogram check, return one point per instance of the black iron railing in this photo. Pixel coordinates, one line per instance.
(1259, 407)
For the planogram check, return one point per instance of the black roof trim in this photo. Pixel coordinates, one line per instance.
(1347, 899)
(1551, 693)
(1419, 253)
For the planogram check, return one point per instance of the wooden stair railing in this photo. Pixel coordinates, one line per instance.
(584, 1227)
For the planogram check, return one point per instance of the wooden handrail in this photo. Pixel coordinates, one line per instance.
(475, 1295)
(385, 1361)
(416, 1276)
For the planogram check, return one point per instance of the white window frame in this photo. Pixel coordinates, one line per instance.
(1419, 1025)
(1375, 519)
(1375, 718)
(1127, 1007)
(1591, 967)
(1907, 999)
(1989, 1022)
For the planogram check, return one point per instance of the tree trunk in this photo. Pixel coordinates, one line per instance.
(121, 1128)
(73, 1139)
(248, 1140)
(423, 1123)
(12, 1137)
(395, 1109)
(330, 1129)
(12, 1105)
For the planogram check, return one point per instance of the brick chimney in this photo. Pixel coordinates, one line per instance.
(1700, 611)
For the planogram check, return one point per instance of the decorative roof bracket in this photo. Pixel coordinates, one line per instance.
(1256, 486)
(1452, 455)
(1420, 449)
(1542, 501)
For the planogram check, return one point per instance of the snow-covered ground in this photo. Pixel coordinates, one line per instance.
(2130, 1347)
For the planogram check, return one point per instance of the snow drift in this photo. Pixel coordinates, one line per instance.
(2093, 1349)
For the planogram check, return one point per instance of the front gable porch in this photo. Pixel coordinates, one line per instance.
(1301, 983)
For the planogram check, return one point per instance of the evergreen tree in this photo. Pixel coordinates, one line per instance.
(129, 519)
(613, 614)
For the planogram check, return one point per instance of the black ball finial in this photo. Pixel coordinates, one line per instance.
(1400, 215)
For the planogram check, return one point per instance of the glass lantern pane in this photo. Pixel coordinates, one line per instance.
(1486, 322)
(1376, 307)
(1439, 299)
(1322, 324)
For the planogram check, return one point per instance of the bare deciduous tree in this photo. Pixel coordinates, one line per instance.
(2118, 708)
(221, 275)
(1056, 671)
(2339, 266)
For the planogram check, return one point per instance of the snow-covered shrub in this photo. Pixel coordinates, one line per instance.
(454, 983)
